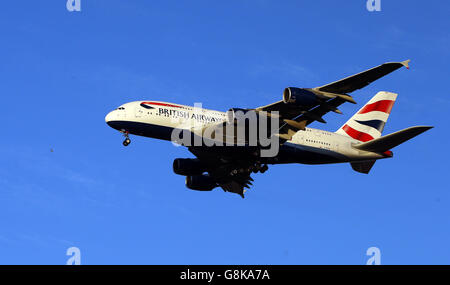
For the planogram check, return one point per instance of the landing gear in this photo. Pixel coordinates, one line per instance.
(127, 140)
(254, 168)
(259, 168)
(264, 168)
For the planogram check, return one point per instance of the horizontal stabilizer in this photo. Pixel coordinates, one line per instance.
(363, 166)
(392, 140)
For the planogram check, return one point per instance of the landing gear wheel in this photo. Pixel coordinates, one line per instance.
(127, 140)
(256, 167)
(264, 168)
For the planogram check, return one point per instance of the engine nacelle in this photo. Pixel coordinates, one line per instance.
(200, 183)
(299, 97)
(188, 166)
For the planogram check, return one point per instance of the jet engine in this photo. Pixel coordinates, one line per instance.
(200, 183)
(299, 97)
(188, 166)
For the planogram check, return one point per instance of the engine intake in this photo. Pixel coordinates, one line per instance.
(188, 166)
(200, 183)
(299, 97)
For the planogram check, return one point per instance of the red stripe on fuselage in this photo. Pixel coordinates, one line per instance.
(162, 104)
(357, 135)
(380, 106)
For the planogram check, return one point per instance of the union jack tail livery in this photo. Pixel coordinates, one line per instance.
(368, 123)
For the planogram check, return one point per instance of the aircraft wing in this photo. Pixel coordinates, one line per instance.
(230, 173)
(293, 117)
(336, 93)
(331, 96)
(360, 80)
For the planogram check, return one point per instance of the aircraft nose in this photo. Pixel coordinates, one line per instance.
(109, 117)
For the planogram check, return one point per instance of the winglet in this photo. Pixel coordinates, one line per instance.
(406, 63)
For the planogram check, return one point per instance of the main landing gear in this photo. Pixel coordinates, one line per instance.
(260, 168)
(127, 140)
(254, 168)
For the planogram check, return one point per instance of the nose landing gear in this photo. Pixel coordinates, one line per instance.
(127, 140)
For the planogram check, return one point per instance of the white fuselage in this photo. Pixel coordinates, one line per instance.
(158, 119)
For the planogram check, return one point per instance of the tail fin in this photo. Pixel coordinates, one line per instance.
(368, 123)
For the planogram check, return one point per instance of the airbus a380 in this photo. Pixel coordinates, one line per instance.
(358, 142)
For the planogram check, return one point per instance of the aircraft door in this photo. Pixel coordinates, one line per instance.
(138, 111)
(301, 137)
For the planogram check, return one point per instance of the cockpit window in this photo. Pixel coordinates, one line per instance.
(121, 108)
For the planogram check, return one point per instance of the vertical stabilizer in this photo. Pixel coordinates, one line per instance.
(368, 123)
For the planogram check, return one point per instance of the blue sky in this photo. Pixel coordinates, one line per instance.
(61, 73)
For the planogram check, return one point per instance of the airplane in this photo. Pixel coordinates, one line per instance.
(358, 142)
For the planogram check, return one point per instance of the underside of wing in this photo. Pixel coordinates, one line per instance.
(286, 110)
